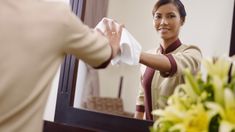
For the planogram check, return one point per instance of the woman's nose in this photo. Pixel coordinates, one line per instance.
(163, 21)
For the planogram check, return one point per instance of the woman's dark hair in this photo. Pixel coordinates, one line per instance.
(177, 3)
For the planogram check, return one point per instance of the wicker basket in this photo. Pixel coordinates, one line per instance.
(107, 105)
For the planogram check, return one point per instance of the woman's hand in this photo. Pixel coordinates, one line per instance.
(113, 32)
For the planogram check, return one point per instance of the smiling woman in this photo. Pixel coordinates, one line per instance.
(163, 66)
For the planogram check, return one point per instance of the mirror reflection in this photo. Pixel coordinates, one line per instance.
(114, 90)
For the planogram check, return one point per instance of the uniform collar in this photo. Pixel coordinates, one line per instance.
(171, 48)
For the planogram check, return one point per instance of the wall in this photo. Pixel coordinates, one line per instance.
(208, 25)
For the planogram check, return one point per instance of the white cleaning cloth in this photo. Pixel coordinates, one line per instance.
(130, 47)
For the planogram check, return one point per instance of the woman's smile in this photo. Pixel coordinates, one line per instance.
(163, 30)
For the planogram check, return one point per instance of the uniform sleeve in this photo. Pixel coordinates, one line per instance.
(190, 58)
(140, 97)
(85, 44)
(140, 100)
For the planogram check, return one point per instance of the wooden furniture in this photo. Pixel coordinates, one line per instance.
(62, 127)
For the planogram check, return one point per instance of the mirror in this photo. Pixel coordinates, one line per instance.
(208, 25)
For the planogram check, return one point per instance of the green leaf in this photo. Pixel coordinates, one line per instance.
(214, 123)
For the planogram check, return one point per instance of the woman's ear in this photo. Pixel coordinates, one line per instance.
(182, 21)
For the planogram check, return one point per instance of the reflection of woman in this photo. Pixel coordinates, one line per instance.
(164, 66)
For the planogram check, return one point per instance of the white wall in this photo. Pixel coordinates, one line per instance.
(208, 25)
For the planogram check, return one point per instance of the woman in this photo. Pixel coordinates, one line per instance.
(163, 66)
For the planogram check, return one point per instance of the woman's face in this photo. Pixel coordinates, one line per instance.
(167, 21)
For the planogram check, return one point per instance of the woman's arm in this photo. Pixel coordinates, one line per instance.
(139, 115)
(157, 62)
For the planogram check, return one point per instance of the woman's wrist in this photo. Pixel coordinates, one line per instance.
(141, 57)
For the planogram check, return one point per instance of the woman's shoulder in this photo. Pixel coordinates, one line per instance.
(189, 47)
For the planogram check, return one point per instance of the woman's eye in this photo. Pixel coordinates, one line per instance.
(157, 17)
(172, 16)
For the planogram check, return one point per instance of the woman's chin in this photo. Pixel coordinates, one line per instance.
(164, 36)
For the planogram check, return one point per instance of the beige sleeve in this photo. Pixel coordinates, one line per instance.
(85, 43)
(140, 97)
(140, 100)
(190, 58)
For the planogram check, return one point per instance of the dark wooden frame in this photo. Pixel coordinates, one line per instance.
(68, 118)
(232, 43)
